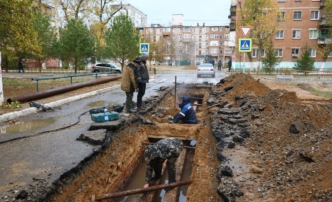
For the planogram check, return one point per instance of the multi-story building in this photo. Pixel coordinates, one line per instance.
(192, 42)
(301, 23)
(139, 18)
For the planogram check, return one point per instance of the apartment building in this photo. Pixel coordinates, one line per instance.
(301, 23)
(192, 42)
(138, 17)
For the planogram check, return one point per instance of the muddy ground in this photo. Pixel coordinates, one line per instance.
(254, 144)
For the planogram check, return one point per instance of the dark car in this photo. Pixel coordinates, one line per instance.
(106, 67)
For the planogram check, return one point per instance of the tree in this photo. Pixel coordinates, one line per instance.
(122, 40)
(73, 8)
(102, 12)
(46, 35)
(264, 18)
(17, 33)
(271, 60)
(325, 39)
(76, 43)
(157, 52)
(305, 63)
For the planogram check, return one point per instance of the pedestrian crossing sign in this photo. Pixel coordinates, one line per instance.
(245, 45)
(144, 48)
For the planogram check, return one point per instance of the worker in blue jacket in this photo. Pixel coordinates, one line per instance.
(187, 114)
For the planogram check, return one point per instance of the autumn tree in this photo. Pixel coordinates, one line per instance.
(264, 19)
(325, 39)
(101, 13)
(46, 35)
(17, 33)
(73, 8)
(76, 43)
(121, 40)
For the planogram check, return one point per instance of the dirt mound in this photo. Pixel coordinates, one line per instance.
(239, 85)
(290, 140)
(190, 67)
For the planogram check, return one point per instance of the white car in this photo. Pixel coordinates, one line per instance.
(206, 69)
(106, 67)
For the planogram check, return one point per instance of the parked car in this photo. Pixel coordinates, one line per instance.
(205, 69)
(106, 67)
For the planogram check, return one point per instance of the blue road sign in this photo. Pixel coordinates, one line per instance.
(245, 45)
(144, 48)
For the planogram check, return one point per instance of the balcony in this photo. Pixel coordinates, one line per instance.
(322, 22)
(324, 41)
(322, 4)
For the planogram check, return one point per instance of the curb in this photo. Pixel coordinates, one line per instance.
(31, 110)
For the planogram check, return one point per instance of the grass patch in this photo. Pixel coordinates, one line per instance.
(17, 82)
(321, 93)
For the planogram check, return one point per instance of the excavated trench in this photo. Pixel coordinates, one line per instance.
(119, 164)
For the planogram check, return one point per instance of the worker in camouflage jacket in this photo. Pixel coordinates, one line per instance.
(166, 149)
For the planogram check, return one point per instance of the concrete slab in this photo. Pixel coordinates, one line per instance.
(95, 137)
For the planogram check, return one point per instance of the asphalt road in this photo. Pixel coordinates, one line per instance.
(51, 154)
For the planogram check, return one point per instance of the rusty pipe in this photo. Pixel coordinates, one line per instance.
(56, 91)
(143, 190)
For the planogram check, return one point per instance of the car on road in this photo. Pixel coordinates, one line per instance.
(205, 69)
(106, 67)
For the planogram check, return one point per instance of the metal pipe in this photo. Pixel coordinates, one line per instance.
(186, 147)
(56, 91)
(143, 190)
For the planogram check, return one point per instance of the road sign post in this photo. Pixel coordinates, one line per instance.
(144, 48)
(248, 48)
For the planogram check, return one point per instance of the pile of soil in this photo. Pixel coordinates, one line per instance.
(290, 141)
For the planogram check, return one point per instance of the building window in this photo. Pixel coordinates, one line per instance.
(228, 51)
(281, 0)
(186, 29)
(214, 29)
(154, 31)
(254, 53)
(226, 36)
(295, 52)
(280, 34)
(166, 29)
(154, 38)
(312, 52)
(200, 30)
(281, 16)
(214, 36)
(314, 15)
(186, 36)
(193, 30)
(297, 15)
(278, 52)
(199, 52)
(330, 55)
(206, 44)
(296, 34)
(214, 50)
(214, 43)
(199, 45)
(313, 34)
(200, 38)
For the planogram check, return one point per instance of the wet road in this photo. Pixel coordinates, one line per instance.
(49, 155)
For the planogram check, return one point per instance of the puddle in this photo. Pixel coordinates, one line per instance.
(136, 183)
(161, 193)
(187, 169)
(26, 126)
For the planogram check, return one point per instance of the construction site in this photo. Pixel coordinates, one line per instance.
(251, 143)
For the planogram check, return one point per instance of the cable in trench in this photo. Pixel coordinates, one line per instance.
(44, 132)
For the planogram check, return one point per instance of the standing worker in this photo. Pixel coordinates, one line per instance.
(229, 64)
(20, 65)
(128, 83)
(186, 115)
(219, 65)
(142, 79)
(165, 149)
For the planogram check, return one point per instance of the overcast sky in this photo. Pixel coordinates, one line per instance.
(212, 12)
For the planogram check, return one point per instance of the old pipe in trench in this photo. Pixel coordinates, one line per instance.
(143, 190)
(55, 91)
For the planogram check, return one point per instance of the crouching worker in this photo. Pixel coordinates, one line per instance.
(187, 113)
(128, 83)
(166, 149)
